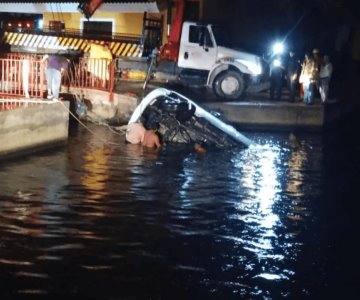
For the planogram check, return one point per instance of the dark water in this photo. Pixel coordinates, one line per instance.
(99, 219)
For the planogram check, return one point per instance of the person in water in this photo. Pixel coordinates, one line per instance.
(136, 133)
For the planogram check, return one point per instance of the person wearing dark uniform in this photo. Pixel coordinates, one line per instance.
(292, 71)
(276, 77)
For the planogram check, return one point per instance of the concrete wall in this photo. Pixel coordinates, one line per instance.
(33, 127)
(270, 115)
(104, 107)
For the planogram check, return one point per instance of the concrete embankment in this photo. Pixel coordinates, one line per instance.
(257, 111)
(280, 115)
(44, 124)
(33, 126)
(105, 107)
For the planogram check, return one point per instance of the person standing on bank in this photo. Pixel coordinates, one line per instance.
(308, 78)
(56, 65)
(276, 78)
(325, 76)
(292, 71)
(319, 61)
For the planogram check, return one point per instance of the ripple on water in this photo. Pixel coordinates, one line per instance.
(107, 221)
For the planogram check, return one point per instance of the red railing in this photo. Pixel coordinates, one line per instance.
(24, 75)
(21, 77)
(92, 74)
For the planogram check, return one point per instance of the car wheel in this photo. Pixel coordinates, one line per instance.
(229, 85)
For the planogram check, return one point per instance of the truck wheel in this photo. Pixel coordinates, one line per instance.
(229, 85)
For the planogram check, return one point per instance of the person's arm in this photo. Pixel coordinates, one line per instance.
(64, 64)
(157, 141)
(45, 58)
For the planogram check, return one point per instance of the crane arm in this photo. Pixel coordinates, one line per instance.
(88, 7)
(170, 50)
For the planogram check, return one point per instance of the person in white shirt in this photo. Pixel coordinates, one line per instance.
(325, 77)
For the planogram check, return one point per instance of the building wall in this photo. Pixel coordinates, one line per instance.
(123, 23)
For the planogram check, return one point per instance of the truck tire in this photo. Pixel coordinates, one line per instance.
(229, 85)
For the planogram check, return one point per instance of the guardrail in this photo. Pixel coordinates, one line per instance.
(92, 74)
(23, 76)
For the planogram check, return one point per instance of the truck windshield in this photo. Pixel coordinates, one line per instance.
(222, 36)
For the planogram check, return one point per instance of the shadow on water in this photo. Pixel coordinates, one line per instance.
(102, 219)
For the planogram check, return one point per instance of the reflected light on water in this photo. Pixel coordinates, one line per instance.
(268, 186)
(296, 162)
(260, 176)
(96, 174)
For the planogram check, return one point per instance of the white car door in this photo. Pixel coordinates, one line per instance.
(197, 48)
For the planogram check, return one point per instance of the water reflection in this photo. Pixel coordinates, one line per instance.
(96, 172)
(107, 221)
(297, 159)
(273, 190)
(260, 176)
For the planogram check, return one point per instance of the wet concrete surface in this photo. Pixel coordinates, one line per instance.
(201, 94)
(196, 93)
(254, 110)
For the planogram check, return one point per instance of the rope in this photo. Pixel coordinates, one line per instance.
(28, 101)
(87, 128)
(78, 97)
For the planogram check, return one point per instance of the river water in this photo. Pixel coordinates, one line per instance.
(100, 219)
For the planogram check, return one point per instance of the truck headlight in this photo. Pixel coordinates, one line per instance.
(255, 69)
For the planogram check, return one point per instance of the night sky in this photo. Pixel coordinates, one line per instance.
(304, 24)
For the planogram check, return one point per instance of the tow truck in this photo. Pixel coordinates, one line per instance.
(195, 53)
(228, 72)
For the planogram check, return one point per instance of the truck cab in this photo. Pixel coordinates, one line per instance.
(229, 71)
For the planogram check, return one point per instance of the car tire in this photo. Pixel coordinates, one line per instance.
(229, 85)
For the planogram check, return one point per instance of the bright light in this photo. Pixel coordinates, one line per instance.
(255, 68)
(19, 24)
(278, 48)
(277, 63)
(40, 24)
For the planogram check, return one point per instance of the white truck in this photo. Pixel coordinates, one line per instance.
(228, 71)
(199, 56)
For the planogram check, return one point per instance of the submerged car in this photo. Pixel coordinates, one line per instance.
(181, 121)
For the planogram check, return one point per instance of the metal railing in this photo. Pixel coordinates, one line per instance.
(92, 74)
(23, 76)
